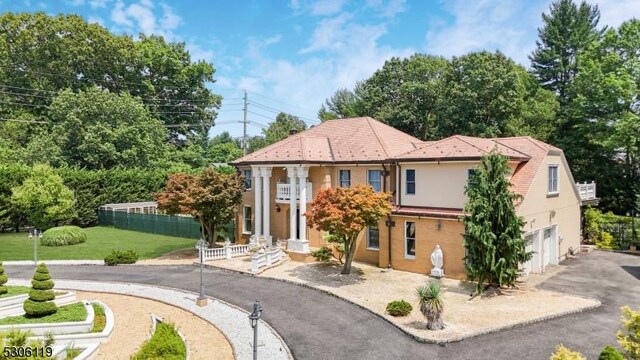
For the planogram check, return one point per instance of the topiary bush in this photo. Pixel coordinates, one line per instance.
(63, 236)
(40, 298)
(3, 280)
(610, 353)
(323, 254)
(399, 308)
(121, 257)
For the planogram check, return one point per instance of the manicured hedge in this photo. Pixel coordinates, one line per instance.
(40, 298)
(165, 344)
(91, 188)
(63, 236)
(121, 257)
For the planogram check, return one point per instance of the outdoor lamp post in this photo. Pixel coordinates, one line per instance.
(202, 300)
(35, 234)
(253, 319)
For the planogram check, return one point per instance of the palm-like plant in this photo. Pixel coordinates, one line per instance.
(431, 304)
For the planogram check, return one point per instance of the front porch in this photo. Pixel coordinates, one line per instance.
(283, 210)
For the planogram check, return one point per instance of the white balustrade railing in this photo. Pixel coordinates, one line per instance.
(283, 192)
(268, 257)
(226, 252)
(587, 191)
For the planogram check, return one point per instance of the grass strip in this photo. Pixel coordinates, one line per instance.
(16, 290)
(100, 319)
(67, 313)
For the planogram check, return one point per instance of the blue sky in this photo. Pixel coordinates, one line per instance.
(291, 55)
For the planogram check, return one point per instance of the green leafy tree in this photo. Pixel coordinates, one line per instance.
(40, 302)
(224, 153)
(210, 197)
(44, 198)
(97, 129)
(3, 280)
(280, 128)
(345, 212)
(493, 231)
(568, 30)
(343, 104)
(629, 339)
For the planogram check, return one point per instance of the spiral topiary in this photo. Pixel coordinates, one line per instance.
(3, 280)
(39, 302)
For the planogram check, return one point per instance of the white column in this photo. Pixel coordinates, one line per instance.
(257, 207)
(303, 172)
(266, 202)
(291, 172)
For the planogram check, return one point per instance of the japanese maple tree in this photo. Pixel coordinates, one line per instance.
(345, 212)
(210, 197)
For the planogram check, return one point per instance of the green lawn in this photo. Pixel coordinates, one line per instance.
(66, 313)
(100, 241)
(16, 290)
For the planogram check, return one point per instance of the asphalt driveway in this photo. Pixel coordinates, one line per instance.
(319, 326)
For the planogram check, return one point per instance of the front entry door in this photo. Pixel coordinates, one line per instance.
(298, 224)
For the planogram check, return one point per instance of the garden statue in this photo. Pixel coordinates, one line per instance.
(437, 261)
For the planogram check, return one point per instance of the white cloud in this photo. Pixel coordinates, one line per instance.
(198, 53)
(615, 12)
(95, 20)
(255, 45)
(388, 8)
(142, 17)
(505, 25)
(98, 3)
(326, 7)
(75, 2)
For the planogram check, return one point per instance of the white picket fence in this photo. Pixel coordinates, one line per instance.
(226, 252)
(268, 257)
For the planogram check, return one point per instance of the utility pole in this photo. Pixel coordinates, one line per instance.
(244, 123)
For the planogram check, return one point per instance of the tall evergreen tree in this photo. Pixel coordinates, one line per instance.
(567, 32)
(493, 231)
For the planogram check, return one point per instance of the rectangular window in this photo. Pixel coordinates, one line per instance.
(410, 239)
(471, 176)
(246, 219)
(553, 179)
(410, 180)
(345, 178)
(373, 238)
(375, 179)
(247, 179)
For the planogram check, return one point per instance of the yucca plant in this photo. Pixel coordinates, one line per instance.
(431, 304)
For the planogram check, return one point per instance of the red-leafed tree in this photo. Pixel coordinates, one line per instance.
(210, 197)
(345, 212)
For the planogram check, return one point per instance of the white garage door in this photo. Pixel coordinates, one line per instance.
(533, 244)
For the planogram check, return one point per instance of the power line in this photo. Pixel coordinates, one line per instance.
(282, 102)
(276, 111)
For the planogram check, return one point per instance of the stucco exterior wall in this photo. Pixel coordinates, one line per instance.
(541, 210)
(437, 185)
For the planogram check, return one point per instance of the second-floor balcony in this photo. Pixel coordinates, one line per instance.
(587, 191)
(283, 192)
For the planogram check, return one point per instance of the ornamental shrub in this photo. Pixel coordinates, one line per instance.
(3, 280)
(40, 298)
(121, 257)
(610, 353)
(563, 353)
(323, 254)
(165, 343)
(63, 235)
(399, 308)
(606, 241)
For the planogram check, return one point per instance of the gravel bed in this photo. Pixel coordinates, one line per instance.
(232, 321)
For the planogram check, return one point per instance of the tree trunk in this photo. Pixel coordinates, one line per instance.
(213, 234)
(349, 249)
(433, 316)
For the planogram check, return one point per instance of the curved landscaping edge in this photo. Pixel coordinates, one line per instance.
(420, 338)
(284, 345)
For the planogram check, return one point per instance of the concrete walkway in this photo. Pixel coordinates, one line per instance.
(231, 320)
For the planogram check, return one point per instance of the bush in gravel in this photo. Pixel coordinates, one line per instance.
(121, 257)
(63, 235)
(610, 353)
(399, 308)
(563, 353)
(3, 280)
(40, 298)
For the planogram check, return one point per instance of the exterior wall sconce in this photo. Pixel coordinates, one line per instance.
(439, 225)
(278, 208)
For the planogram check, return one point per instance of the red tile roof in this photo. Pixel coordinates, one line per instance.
(460, 147)
(352, 140)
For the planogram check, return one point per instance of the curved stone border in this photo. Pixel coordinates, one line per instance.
(60, 328)
(415, 336)
(231, 320)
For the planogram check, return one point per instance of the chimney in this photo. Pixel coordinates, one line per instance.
(293, 131)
